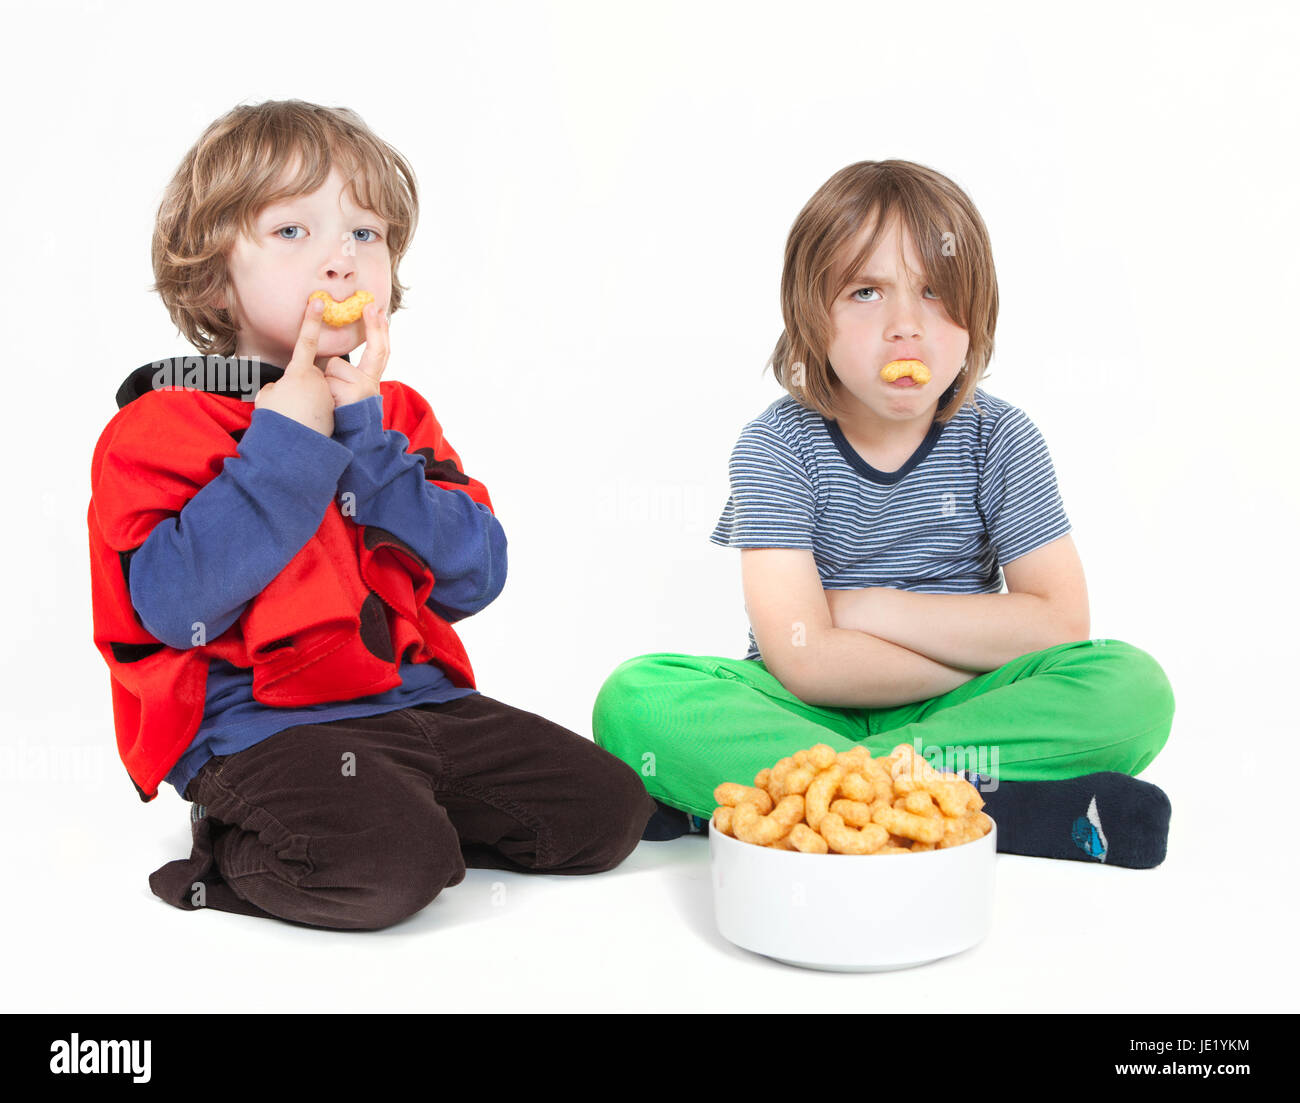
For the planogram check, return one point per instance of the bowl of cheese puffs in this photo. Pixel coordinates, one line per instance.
(840, 861)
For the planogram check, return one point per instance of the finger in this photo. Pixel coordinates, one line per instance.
(304, 352)
(375, 358)
(335, 367)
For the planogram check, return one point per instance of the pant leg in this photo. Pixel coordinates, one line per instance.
(528, 795)
(686, 723)
(328, 825)
(1078, 708)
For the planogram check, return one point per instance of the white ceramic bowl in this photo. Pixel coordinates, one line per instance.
(851, 913)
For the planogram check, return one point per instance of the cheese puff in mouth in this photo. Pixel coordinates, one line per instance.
(346, 312)
(896, 369)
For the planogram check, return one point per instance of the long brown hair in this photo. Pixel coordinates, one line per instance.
(955, 253)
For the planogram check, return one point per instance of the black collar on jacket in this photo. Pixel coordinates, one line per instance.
(140, 381)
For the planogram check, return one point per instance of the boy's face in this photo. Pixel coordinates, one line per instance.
(316, 242)
(888, 317)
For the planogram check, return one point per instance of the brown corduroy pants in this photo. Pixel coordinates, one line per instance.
(357, 824)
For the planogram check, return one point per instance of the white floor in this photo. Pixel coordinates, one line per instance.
(1210, 930)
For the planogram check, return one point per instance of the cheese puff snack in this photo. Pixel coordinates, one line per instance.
(921, 829)
(346, 312)
(855, 787)
(802, 837)
(921, 804)
(817, 798)
(965, 829)
(896, 369)
(817, 801)
(751, 826)
(849, 840)
(954, 798)
(730, 793)
(855, 759)
(910, 772)
(821, 756)
(853, 812)
(790, 776)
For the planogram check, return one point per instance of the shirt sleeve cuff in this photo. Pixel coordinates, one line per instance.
(361, 422)
(284, 448)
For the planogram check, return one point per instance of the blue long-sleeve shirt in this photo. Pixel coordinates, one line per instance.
(244, 526)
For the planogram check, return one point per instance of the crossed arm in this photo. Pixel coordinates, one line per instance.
(879, 646)
(1047, 604)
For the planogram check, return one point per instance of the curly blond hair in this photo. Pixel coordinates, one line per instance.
(228, 177)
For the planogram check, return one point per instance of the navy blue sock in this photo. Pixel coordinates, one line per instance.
(672, 823)
(1108, 818)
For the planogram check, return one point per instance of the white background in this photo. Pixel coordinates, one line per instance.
(606, 192)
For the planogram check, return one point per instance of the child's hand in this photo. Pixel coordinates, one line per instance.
(350, 383)
(302, 393)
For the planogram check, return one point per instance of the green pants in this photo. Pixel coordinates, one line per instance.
(686, 723)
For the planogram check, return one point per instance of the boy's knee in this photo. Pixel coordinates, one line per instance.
(1145, 687)
(615, 707)
(1142, 695)
(390, 872)
(604, 827)
(623, 693)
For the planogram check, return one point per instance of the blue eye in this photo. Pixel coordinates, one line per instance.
(363, 230)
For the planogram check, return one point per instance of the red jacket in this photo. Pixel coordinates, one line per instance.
(333, 625)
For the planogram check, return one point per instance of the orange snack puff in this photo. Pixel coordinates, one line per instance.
(751, 826)
(802, 837)
(817, 798)
(919, 802)
(722, 818)
(818, 801)
(790, 775)
(729, 793)
(855, 760)
(853, 812)
(822, 756)
(896, 369)
(346, 312)
(848, 840)
(922, 829)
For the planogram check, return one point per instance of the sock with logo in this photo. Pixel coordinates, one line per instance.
(1108, 818)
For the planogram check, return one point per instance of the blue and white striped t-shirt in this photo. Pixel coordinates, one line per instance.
(980, 491)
